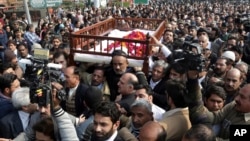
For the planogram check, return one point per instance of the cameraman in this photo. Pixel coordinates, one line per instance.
(64, 122)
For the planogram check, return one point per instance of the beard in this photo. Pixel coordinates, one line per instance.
(218, 72)
(104, 136)
(118, 72)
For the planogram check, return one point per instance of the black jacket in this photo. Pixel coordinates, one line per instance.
(159, 96)
(79, 106)
(112, 79)
(10, 125)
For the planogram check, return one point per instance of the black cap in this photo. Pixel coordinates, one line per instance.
(119, 53)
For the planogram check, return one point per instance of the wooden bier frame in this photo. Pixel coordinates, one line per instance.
(89, 37)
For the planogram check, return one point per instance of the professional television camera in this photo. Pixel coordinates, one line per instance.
(40, 74)
(190, 56)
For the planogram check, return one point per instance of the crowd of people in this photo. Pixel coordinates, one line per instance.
(117, 102)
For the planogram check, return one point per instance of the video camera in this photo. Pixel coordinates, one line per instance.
(190, 56)
(40, 74)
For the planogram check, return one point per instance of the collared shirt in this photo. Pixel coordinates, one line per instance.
(72, 90)
(15, 52)
(25, 118)
(157, 112)
(209, 45)
(100, 86)
(153, 84)
(113, 136)
(247, 116)
(200, 81)
(6, 97)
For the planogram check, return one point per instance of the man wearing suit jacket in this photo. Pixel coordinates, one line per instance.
(118, 66)
(75, 91)
(176, 121)
(106, 123)
(8, 83)
(16, 122)
(157, 82)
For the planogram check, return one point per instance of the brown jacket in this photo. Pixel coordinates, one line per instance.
(176, 124)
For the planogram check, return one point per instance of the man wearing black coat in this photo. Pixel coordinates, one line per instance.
(119, 65)
(75, 92)
(157, 82)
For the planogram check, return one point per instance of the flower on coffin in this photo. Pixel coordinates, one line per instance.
(133, 49)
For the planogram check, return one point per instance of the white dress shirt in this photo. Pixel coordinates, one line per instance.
(113, 136)
(25, 118)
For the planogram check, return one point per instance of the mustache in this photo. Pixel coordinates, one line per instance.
(228, 86)
(237, 102)
(216, 69)
(98, 133)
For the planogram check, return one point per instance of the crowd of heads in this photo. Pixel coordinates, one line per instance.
(117, 95)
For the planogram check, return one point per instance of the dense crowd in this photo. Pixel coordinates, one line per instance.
(178, 100)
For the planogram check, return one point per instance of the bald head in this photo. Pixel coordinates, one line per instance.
(243, 67)
(72, 76)
(152, 131)
(131, 77)
(233, 80)
(235, 72)
(126, 83)
(203, 41)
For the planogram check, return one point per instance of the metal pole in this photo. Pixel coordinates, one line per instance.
(27, 11)
(47, 8)
(48, 14)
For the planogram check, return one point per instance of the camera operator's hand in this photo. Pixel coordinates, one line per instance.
(82, 118)
(193, 74)
(33, 107)
(56, 101)
(56, 85)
